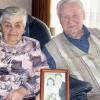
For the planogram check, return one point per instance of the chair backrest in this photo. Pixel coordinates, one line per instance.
(37, 29)
(1, 10)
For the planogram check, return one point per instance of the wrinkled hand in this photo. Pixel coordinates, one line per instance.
(14, 95)
(18, 94)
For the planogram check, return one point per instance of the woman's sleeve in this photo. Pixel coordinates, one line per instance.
(39, 61)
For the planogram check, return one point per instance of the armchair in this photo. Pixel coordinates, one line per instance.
(37, 29)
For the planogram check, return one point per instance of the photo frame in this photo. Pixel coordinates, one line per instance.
(54, 84)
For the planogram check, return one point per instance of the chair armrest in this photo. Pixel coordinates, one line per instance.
(78, 87)
(80, 96)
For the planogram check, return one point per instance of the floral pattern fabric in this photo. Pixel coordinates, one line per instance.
(18, 64)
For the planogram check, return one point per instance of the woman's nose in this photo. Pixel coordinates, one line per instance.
(13, 30)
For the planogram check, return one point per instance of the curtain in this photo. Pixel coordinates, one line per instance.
(92, 13)
(41, 10)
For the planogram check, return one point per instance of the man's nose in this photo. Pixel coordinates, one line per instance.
(70, 20)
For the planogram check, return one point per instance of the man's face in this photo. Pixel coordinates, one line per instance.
(71, 18)
(13, 29)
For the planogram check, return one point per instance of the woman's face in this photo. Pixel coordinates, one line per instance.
(12, 29)
(50, 82)
(71, 18)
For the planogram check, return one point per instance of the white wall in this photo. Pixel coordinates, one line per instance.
(27, 4)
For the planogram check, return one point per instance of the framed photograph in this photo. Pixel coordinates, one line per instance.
(54, 84)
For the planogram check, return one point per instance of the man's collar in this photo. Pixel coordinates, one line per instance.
(85, 35)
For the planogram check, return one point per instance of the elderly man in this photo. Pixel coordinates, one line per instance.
(77, 48)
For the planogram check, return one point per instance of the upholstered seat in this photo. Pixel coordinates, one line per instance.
(37, 29)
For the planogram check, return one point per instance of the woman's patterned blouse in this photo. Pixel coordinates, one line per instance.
(18, 64)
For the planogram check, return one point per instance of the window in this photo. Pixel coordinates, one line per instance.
(54, 18)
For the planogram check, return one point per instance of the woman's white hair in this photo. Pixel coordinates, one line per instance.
(9, 12)
(66, 2)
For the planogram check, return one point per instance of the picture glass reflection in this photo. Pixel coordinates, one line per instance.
(54, 86)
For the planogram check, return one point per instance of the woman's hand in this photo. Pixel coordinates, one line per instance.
(18, 94)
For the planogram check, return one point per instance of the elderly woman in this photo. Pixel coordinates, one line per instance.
(20, 57)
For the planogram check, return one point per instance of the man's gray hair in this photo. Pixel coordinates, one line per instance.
(63, 2)
(13, 11)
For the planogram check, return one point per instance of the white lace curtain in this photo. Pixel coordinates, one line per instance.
(92, 15)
